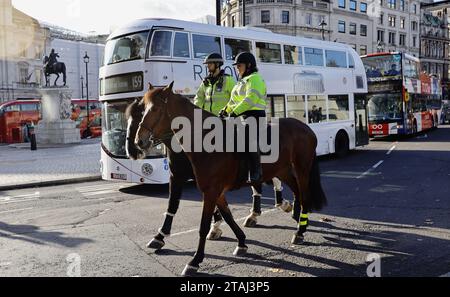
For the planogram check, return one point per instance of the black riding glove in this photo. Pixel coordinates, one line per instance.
(223, 114)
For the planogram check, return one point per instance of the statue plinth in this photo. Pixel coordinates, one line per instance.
(56, 127)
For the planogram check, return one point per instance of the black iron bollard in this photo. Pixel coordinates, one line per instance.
(32, 138)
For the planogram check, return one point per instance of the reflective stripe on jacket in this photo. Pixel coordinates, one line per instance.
(214, 97)
(248, 94)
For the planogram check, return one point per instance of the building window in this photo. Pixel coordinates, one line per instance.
(285, 17)
(352, 28)
(414, 8)
(380, 35)
(308, 19)
(392, 38)
(414, 41)
(363, 7)
(265, 16)
(353, 46)
(341, 3)
(402, 40)
(233, 21)
(352, 5)
(402, 23)
(363, 50)
(341, 27)
(381, 19)
(391, 20)
(392, 4)
(247, 18)
(414, 25)
(363, 30)
(402, 5)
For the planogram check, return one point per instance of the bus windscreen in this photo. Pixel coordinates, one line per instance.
(383, 67)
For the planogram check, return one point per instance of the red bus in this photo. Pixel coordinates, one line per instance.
(15, 115)
(401, 99)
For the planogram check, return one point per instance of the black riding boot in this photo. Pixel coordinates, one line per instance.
(255, 167)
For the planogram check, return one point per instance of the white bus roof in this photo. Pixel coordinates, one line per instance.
(241, 32)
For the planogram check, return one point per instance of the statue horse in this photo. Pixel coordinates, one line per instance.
(57, 68)
(180, 173)
(297, 166)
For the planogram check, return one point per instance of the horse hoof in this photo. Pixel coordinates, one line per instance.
(156, 244)
(214, 234)
(285, 206)
(250, 222)
(189, 270)
(240, 251)
(298, 239)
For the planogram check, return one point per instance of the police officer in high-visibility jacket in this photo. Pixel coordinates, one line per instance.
(215, 90)
(248, 99)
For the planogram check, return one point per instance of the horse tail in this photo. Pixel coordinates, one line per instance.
(317, 195)
(64, 73)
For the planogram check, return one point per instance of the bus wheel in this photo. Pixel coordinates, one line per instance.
(341, 144)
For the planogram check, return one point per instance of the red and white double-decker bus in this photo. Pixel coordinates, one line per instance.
(401, 98)
(15, 115)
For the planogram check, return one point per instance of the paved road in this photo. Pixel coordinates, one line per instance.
(390, 198)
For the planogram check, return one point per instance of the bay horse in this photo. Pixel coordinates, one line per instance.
(217, 172)
(180, 172)
(56, 68)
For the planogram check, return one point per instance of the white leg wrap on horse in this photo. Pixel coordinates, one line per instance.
(255, 192)
(217, 224)
(169, 214)
(277, 186)
(162, 233)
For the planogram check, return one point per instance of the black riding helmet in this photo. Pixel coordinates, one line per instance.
(245, 58)
(214, 58)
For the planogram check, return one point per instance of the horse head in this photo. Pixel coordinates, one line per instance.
(155, 123)
(134, 114)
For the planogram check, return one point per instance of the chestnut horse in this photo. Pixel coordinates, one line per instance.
(217, 172)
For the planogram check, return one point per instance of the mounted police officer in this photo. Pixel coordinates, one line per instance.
(248, 99)
(215, 90)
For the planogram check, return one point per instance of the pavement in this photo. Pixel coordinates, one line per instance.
(387, 202)
(49, 164)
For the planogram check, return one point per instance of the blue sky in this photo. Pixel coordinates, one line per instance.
(103, 15)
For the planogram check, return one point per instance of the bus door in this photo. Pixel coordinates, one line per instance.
(276, 106)
(361, 122)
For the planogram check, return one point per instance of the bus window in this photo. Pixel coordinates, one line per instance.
(335, 59)
(205, 45)
(161, 44)
(14, 107)
(293, 55)
(235, 46)
(317, 108)
(296, 107)
(29, 107)
(131, 47)
(338, 107)
(268, 52)
(351, 62)
(181, 45)
(313, 56)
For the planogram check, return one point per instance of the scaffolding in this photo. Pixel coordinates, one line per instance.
(58, 32)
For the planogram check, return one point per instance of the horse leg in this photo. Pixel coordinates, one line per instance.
(251, 220)
(209, 204)
(175, 191)
(280, 203)
(57, 77)
(222, 204)
(302, 176)
(215, 232)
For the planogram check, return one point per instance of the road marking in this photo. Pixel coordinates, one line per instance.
(391, 150)
(100, 189)
(19, 198)
(370, 170)
(238, 220)
(15, 210)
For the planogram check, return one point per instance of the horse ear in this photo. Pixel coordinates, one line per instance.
(169, 87)
(150, 86)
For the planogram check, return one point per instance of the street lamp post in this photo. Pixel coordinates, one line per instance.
(88, 128)
(82, 87)
(323, 24)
